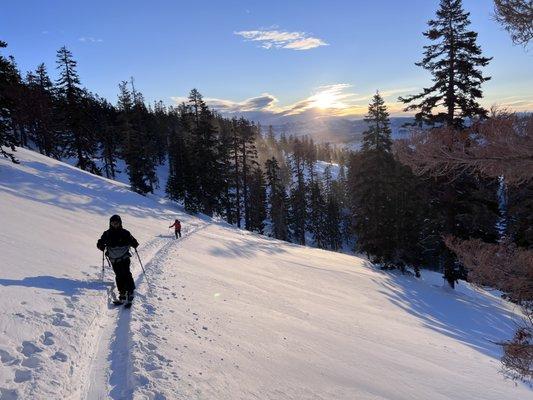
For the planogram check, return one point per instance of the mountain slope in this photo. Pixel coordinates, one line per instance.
(222, 313)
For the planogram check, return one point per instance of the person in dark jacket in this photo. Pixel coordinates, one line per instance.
(177, 228)
(116, 242)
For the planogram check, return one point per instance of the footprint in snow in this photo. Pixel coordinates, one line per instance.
(8, 359)
(32, 362)
(151, 346)
(46, 338)
(58, 319)
(149, 309)
(159, 396)
(22, 375)
(9, 394)
(29, 348)
(58, 356)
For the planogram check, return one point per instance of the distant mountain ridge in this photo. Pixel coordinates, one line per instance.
(339, 131)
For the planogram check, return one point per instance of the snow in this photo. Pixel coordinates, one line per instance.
(222, 313)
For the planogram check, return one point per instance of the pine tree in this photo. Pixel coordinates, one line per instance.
(454, 60)
(42, 111)
(204, 183)
(237, 168)
(381, 195)
(178, 153)
(146, 147)
(248, 156)
(370, 186)
(8, 79)
(277, 200)
(141, 170)
(378, 135)
(257, 201)
(104, 117)
(297, 198)
(18, 92)
(80, 142)
(332, 218)
(316, 214)
(228, 209)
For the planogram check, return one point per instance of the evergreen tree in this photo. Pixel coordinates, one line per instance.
(18, 92)
(257, 201)
(204, 183)
(8, 79)
(277, 200)
(177, 154)
(297, 198)
(520, 204)
(370, 186)
(229, 178)
(454, 60)
(237, 168)
(248, 155)
(141, 170)
(332, 218)
(316, 214)
(381, 197)
(378, 135)
(104, 117)
(42, 111)
(147, 140)
(79, 141)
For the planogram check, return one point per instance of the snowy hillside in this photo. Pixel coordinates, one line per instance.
(224, 314)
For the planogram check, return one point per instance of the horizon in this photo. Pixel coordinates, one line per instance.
(261, 61)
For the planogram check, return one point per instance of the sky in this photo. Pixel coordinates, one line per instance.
(260, 57)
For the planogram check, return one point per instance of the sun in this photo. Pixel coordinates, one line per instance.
(324, 100)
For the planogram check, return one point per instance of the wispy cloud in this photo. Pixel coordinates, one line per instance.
(90, 39)
(335, 100)
(265, 102)
(270, 39)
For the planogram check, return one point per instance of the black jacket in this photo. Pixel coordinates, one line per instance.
(116, 237)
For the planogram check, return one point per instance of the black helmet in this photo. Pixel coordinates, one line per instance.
(115, 218)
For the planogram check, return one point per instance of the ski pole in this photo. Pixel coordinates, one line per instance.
(103, 269)
(110, 291)
(144, 272)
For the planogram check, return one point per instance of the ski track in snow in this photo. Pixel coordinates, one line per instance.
(111, 374)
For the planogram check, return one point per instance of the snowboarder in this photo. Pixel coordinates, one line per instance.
(116, 242)
(177, 228)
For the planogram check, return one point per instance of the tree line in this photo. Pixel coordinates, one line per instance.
(228, 167)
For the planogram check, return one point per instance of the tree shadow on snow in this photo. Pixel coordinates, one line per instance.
(473, 318)
(73, 189)
(248, 247)
(66, 286)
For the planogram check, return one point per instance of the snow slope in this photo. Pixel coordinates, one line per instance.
(222, 313)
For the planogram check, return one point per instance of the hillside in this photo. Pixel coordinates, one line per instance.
(222, 313)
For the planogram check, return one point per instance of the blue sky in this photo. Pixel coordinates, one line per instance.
(327, 54)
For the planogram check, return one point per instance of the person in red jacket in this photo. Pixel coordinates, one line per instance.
(177, 228)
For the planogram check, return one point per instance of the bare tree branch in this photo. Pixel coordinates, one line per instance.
(499, 146)
(516, 17)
